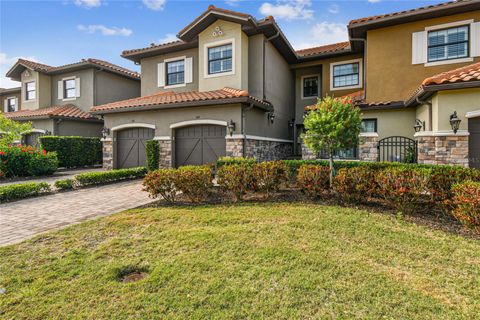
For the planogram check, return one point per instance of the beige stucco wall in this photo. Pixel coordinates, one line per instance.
(462, 101)
(79, 128)
(255, 65)
(239, 78)
(149, 72)
(28, 76)
(397, 122)
(391, 76)
(85, 101)
(111, 87)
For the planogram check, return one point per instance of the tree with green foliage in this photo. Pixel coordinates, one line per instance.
(332, 125)
(11, 131)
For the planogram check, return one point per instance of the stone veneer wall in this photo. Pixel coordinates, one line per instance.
(262, 150)
(107, 152)
(165, 154)
(443, 149)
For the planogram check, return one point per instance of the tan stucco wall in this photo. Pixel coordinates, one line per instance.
(398, 122)
(149, 72)
(111, 87)
(462, 101)
(239, 79)
(162, 119)
(255, 65)
(4, 96)
(28, 76)
(391, 76)
(79, 128)
(85, 101)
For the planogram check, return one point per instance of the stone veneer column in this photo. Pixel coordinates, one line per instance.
(368, 147)
(443, 148)
(234, 147)
(165, 153)
(107, 153)
(307, 154)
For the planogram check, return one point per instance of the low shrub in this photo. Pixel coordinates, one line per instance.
(313, 180)
(161, 182)
(269, 176)
(195, 182)
(466, 199)
(22, 161)
(74, 151)
(22, 190)
(235, 179)
(152, 149)
(65, 184)
(235, 160)
(96, 178)
(404, 189)
(355, 184)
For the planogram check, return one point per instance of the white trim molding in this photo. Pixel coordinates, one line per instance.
(360, 74)
(179, 85)
(34, 131)
(197, 122)
(473, 114)
(368, 134)
(133, 125)
(450, 61)
(250, 137)
(106, 139)
(162, 138)
(208, 45)
(302, 86)
(443, 133)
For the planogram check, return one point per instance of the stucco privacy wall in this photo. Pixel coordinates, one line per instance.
(231, 32)
(149, 76)
(111, 87)
(45, 124)
(85, 101)
(79, 128)
(398, 122)
(390, 73)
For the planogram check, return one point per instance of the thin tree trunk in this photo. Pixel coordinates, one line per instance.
(330, 161)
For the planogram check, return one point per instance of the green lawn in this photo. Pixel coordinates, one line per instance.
(279, 261)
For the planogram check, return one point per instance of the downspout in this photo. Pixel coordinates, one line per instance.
(264, 59)
(364, 76)
(244, 136)
(430, 112)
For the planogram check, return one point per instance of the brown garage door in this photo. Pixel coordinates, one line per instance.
(32, 139)
(474, 142)
(200, 144)
(131, 147)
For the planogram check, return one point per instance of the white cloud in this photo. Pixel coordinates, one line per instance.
(88, 3)
(6, 63)
(323, 33)
(233, 3)
(106, 31)
(156, 5)
(374, 1)
(169, 37)
(334, 8)
(288, 9)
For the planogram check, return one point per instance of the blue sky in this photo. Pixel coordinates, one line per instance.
(58, 32)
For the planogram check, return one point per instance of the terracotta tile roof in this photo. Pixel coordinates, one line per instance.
(35, 65)
(153, 46)
(329, 48)
(463, 74)
(405, 12)
(62, 111)
(166, 98)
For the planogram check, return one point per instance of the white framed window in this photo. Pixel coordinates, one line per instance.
(219, 58)
(368, 125)
(454, 42)
(346, 75)
(68, 88)
(30, 91)
(10, 104)
(175, 72)
(310, 86)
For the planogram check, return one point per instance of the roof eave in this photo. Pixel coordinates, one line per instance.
(426, 92)
(150, 52)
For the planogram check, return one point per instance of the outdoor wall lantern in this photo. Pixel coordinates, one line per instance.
(291, 123)
(419, 125)
(455, 122)
(231, 127)
(271, 116)
(105, 132)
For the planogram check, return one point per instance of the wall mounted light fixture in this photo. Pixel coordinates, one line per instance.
(231, 127)
(455, 122)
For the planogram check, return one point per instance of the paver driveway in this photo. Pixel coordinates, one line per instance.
(23, 219)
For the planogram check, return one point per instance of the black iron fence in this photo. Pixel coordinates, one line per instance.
(397, 149)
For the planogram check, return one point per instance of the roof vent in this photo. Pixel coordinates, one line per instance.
(152, 44)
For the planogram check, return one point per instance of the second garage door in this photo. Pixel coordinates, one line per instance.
(474, 142)
(131, 147)
(202, 144)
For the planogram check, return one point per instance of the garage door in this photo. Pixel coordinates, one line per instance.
(131, 147)
(474, 142)
(32, 139)
(200, 144)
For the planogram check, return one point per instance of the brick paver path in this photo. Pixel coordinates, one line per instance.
(23, 219)
(59, 175)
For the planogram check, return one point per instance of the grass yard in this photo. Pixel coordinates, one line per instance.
(277, 261)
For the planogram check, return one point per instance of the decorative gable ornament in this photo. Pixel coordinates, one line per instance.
(218, 32)
(27, 73)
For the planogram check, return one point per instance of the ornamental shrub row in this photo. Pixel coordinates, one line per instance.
(22, 161)
(152, 150)
(74, 151)
(235, 160)
(103, 177)
(466, 198)
(22, 190)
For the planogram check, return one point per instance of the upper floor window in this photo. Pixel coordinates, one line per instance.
(310, 86)
(69, 88)
(447, 44)
(346, 75)
(30, 91)
(11, 105)
(175, 72)
(369, 125)
(220, 59)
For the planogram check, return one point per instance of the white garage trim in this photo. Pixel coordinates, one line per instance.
(241, 136)
(197, 122)
(162, 138)
(133, 125)
(34, 131)
(473, 114)
(443, 133)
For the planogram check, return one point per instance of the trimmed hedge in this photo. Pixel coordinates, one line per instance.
(22, 161)
(235, 160)
(22, 190)
(466, 197)
(152, 149)
(65, 184)
(74, 151)
(96, 178)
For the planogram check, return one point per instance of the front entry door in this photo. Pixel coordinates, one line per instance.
(131, 150)
(474, 142)
(201, 144)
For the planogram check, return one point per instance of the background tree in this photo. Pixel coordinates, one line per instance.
(11, 131)
(333, 125)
